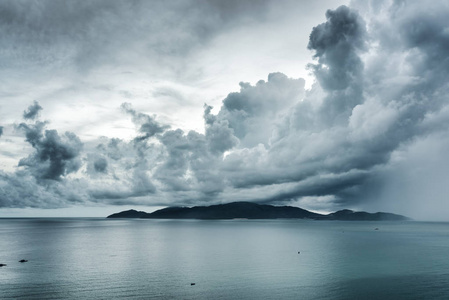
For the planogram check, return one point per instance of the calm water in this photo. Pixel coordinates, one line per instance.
(238, 259)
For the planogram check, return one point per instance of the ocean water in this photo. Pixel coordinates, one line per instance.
(232, 259)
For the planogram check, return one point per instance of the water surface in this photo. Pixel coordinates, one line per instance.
(232, 259)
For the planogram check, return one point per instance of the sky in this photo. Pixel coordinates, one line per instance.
(111, 105)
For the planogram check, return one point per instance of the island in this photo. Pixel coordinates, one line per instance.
(249, 210)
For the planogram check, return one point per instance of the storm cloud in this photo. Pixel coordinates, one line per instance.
(32, 112)
(377, 112)
(55, 156)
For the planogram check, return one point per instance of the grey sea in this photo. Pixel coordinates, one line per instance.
(232, 259)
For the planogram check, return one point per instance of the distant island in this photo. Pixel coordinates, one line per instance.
(248, 210)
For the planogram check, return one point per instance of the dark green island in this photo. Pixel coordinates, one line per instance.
(248, 210)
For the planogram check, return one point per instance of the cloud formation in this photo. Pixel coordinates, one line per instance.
(32, 112)
(54, 156)
(100, 165)
(337, 45)
(380, 94)
(44, 36)
(148, 126)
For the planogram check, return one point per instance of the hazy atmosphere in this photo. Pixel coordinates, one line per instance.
(324, 105)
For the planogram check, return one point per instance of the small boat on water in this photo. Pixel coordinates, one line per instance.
(2, 265)
(23, 260)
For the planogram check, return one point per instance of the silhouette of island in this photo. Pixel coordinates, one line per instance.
(248, 210)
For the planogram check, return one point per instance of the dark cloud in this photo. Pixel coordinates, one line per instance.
(427, 35)
(34, 132)
(340, 186)
(97, 164)
(149, 127)
(337, 44)
(32, 112)
(55, 156)
(101, 165)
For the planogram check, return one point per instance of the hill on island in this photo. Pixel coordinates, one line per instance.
(248, 210)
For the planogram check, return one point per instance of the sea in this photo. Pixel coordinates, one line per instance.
(95, 258)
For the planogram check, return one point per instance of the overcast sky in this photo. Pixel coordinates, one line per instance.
(111, 105)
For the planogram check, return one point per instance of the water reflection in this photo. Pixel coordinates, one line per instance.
(97, 258)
